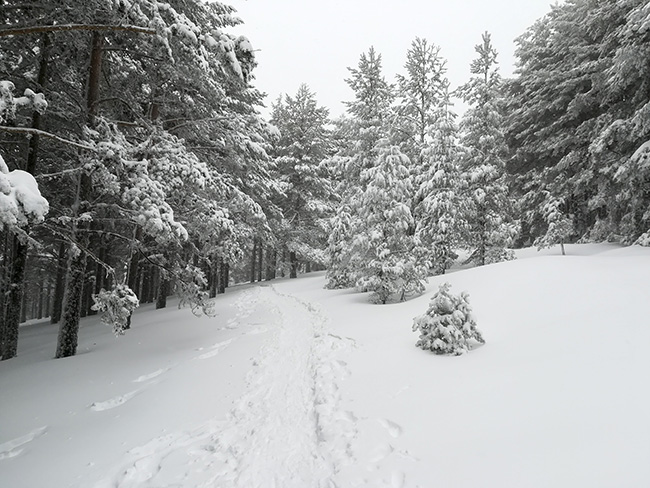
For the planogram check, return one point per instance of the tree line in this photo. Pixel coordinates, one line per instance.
(140, 123)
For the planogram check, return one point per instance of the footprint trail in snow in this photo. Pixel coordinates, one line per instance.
(287, 430)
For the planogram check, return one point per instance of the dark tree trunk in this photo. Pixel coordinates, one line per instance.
(253, 260)
(213, 274)
(48, 298)
(14, 300)
(69, 329)
(87, 290)
(221, 275)
(226, 275)
(260, 260)
(308, 267)
(57, 299)
(41, 295)
(16, 285)
(293, 260)
(163, 289)
(100, 276)
(270, 263)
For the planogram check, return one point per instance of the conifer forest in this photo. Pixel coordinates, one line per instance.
(136, 162)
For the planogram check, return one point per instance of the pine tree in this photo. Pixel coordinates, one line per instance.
(307, 200)
(383, 246)
(448, 325)
(358, 136)
(438, 209)
(488, 205)
(419, 96)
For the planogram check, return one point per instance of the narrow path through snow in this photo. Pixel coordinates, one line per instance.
(287, 430)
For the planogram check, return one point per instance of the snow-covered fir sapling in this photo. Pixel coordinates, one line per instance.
(117, 306)
(448, 325)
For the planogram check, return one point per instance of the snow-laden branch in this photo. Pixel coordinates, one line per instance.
(37, 132)
(18, 31)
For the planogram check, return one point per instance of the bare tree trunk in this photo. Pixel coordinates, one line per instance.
(48, 299)
(260, 261)
(17, 275)
(253, 260)
(39, 304)
(163, 289)
(69, 329)
(293, 260)
(57, 299)
(14, 300)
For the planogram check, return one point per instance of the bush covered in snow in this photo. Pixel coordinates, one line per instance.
(448, 324)
(117, 306)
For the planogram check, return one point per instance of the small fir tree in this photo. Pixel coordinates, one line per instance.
(448, 325)
(559, 228)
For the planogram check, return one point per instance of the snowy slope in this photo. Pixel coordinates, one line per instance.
(295, 386)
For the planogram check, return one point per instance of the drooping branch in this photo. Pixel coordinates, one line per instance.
(17, 31)
(37, 132)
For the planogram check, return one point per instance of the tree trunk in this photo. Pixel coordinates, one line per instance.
(253, 260)
(14, 300)
(39, 305)
(260, 260)
(48, 298)
(270, 263)
(57, 299)
(163, 289)
(69, 329)
(294, 265)
(16, 285)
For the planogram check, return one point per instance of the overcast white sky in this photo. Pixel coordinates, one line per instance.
(313, 42)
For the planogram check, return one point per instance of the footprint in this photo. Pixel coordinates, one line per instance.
(393, 429)
(150, 376)
(216, 349)
(13, 447)
(113, 402)
(397, 479)
(257, 331)
(380, 453)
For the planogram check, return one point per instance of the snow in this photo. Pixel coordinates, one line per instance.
(291, 385)
(20, 198)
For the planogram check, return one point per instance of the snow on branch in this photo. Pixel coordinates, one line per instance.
(21, 201)
(17, 31)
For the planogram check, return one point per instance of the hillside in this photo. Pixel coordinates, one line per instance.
(291, 385)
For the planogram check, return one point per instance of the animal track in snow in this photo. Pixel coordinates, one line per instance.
(113, 402)
(14, 447)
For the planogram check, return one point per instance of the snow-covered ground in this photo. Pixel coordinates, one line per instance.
(291, 385)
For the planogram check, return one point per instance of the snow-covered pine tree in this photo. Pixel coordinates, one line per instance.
(448, 326)
(490, 230)
(438, 208)
(384, 244)
(560, 226)
(357, 136)
(369, 111)
(306, 202)
(419, 95)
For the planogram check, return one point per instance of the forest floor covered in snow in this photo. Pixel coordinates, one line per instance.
(291, 385)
